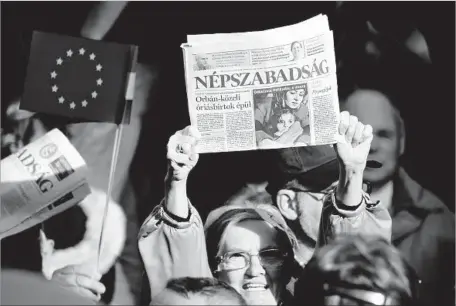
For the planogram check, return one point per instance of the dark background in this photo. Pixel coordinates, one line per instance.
(425, 93)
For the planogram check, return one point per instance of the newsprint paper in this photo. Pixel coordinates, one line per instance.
(263, 90)
(41, 180)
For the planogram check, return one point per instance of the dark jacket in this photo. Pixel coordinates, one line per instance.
(424, 231)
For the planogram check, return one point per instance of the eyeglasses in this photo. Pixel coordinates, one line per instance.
(320, 194)
(314, 194)
(269, 258)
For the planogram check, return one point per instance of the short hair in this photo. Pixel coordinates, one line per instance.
(212, 289)
(216, 231)
(367, 263)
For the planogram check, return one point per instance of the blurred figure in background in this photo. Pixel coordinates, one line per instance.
(357, 270)
(29, 288)
(66, 237)
(198, 291)
(423, 227)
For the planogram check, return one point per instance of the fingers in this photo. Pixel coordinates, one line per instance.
(357, 136)
(192, 131)
(354, 131)
(90, 284)
(89, 271)
(182, 153)
(81, 279)
(353, 121)
(368, 133)
(344, 122)
(182, 141)
(87, 294)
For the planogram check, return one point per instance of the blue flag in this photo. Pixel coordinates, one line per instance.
(79, 78)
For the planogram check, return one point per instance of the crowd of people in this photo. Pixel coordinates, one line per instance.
(341, 224)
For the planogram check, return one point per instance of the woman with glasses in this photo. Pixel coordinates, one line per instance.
(249, 248)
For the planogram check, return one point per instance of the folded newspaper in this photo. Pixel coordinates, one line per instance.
(263, 90)
(41, 180)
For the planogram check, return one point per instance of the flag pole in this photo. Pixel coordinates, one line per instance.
(130, 89)
(115, 153)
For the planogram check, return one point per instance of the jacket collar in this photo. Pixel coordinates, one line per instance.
(411, 205)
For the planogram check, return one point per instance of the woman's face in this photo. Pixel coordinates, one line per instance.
(259, 283)
(294, 98)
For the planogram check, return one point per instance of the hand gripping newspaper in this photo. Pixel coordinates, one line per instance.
(263, 90)
(41, 180)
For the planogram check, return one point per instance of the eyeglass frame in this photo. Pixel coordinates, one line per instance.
(367, 187)
(220, 259)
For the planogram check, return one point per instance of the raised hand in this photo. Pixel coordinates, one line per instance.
(181, 155)
(353, 152)
(83, 280)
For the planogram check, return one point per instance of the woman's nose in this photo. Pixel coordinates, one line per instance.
(255, 268)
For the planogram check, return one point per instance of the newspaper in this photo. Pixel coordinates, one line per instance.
(311, 27)
(41, 180)
(263, 90)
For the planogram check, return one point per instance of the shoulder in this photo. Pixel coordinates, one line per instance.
(437, 216)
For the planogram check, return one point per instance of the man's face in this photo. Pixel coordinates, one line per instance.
(309, 212)
(304, 208)
(372, 107)
(202, 61)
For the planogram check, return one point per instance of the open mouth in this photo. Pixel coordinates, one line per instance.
(373, 164)
(255, 287)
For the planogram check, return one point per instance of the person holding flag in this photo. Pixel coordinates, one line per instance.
(81, 77)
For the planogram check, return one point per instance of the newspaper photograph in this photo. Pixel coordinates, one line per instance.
(37, 176)
(254, 95)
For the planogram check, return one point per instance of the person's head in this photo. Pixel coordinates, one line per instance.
(375, 108)
(294, 98)
(198, 291)
(296, 50)
(285, 119)
(249, 249)
(202, 61)
(357, 270)
(299, 180)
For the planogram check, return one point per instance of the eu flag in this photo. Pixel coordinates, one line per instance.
(78, 78)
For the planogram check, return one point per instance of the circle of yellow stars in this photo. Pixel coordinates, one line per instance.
(60, 61)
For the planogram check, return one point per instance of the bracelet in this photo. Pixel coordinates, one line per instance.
(342, 206)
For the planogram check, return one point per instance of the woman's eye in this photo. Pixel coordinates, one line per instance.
(235, 255)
